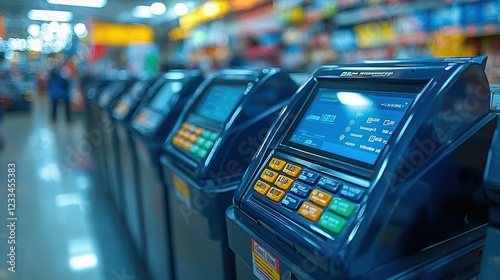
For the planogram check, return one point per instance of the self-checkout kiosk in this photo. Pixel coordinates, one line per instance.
(373, 171)
(205, 157)
(151, 124)
(490, 267)
(125, 159)
(106, 102)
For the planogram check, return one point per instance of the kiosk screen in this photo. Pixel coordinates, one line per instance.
(161, 100)
(220, 101)
(353, 124)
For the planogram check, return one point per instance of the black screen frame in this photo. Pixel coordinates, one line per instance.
(158, 91)
(244, 84)
(403, 87)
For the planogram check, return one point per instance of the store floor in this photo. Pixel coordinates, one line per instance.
(65, 228)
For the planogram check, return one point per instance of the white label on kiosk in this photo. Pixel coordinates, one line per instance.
(265, 265)
(182, 190)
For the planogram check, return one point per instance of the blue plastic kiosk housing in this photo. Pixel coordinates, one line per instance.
(374, 170)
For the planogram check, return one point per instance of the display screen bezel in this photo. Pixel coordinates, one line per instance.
(159, 91)
(393, 87)
(195, 107)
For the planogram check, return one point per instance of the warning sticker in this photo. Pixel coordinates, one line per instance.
(182, 190)
(265, 265)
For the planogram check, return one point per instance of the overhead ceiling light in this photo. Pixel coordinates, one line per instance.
(34, 30)
(50, 15)
(180, 9)
(80, 3)
(158, 8)
(142, 12)
(53, 26)
(80, 30)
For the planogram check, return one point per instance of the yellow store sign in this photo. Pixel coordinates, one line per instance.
(121, 34)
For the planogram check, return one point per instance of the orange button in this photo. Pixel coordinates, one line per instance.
(198, 131)
(310, 212)
(182, 133)
(192, 137)
(275, 194)
(321, 198)
(186, 125)
(261, 187)
(292, 170)
(268, 175)
(277, 164)
(187, 145)
(177, 141)
(283, 182)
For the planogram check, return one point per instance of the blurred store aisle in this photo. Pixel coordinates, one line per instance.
(64, 229)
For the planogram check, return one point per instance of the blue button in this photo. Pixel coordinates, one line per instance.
(291, 202)
(329, 184)
(300, 189)
(308, 177)
(352, 193)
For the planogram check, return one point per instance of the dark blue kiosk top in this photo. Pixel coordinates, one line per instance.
(112, 91)
(371, 171)
(126, 105)
(219, 131)
(155, 117)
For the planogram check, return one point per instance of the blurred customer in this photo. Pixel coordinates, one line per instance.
(58, 88)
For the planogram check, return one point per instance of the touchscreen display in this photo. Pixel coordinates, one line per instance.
(162, 98)
(351, 123)
(219, 102)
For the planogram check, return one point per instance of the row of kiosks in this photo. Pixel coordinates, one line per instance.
(372, 171)
(151, 124)
(205, 157)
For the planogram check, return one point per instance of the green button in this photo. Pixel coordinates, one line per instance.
(214, 136)
(206, 134)
(332, 223)
(194, 149)
(202, 153)
(201, 141)
(343, 207)
(208, 145)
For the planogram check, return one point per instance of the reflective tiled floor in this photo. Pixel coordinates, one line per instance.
(65, 228)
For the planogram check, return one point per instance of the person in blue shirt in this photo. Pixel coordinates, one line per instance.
(58, 88)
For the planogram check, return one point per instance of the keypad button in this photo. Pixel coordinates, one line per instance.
(275, 194)
(300, 190)
(194, 149)
(329, 184)
(332, 223)
(291, 202)
(321, 198)
(283, 182)
(202, 153)
(343, 207)
(192, 137)
(214, 136)
(177, 141)
(308, 177)
(201, 141)
(198, 131)
(292, 170)
(277, 164)
(269, 176)
(352, 193)
(208, 144)
(206, 134)
(185, 125)
(310, 212)
(261, 187)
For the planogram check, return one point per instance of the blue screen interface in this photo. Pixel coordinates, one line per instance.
(352, 124)
(220, 101)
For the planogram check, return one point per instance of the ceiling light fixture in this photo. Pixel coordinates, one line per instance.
(142, 12)
(158, 8)
(80, 3)
(50, 15)
(180, 9)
